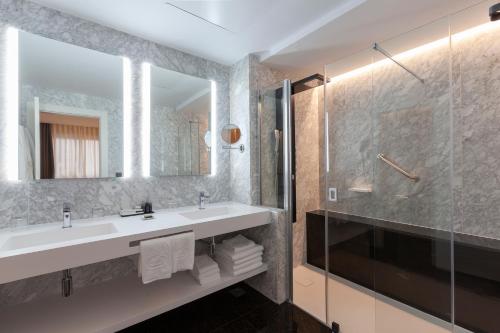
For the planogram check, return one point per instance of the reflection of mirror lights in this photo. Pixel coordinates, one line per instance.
(12, 104)
(127, 117)
(146, 118)
(415, 51)
(213, 127)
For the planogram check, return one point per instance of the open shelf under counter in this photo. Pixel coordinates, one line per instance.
(112, 306)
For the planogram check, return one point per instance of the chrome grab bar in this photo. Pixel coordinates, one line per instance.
(398, 168)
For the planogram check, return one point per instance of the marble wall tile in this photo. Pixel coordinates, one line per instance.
(240, 116)
(248, 79)
(309, 156)
(273, 283)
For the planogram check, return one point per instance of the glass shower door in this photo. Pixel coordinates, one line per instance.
(388, 186)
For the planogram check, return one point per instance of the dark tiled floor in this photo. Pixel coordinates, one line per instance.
(235, 309)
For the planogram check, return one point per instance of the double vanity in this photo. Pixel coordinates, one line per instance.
(117, 304)
(36, 250)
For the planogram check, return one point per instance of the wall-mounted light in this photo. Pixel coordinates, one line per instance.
(12, 104)
(213, 129)
(127, 117)
(146, 118)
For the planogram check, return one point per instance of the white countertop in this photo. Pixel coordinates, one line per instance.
(40, 259)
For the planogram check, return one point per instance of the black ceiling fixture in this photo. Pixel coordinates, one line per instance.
(495, 12)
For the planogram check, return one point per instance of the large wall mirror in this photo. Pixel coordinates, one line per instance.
(70, 111)
(180, 124)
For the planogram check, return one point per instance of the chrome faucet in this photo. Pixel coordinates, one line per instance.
(201, 200)
(66, 215)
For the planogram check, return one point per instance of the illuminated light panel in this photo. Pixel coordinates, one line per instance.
(213, 129)
(146, 118)
(12, 105)
(127, 117)
(420, 49)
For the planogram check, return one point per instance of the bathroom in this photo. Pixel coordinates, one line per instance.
(207, 166)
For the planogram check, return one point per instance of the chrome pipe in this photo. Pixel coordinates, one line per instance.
(396, 167)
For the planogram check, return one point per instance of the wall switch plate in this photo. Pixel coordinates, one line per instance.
(332, 194)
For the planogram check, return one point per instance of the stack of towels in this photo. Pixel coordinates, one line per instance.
(205, 270)
(239, 255)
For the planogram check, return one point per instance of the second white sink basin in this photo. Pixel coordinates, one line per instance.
(56, 236)
(206, 213)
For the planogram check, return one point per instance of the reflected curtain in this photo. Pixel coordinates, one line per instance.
(46, 152)
(76, 151)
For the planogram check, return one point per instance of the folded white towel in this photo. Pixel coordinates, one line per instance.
(207, 278)
(210, 279)
(223, 255)
(238, 244)
(234, 267)
(204, 264)
(183, 251)
(240, 271)
(240, 255)
(155, 261)
(160, 257)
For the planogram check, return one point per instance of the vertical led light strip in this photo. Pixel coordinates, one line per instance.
(213, 129)
(12, 104)
(146, 118)
(127, 117)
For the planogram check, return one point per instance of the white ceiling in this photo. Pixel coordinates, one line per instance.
(254, 25)
(299, 36)
(357, 30)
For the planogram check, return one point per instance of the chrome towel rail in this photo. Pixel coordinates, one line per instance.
(398, 168)
(138, 242)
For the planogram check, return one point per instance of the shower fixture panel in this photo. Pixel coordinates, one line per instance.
(495, 12)
(386, 54)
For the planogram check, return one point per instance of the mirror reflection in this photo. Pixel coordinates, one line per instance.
(70, 111)
(180, 124)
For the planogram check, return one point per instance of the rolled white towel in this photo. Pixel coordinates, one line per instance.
(240, 255)
(238, 244)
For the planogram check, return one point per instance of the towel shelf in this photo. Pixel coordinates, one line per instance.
(138, 242)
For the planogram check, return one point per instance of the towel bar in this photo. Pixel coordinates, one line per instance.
(138, 242)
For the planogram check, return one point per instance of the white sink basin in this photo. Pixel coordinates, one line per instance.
(206, 213)
(56, 236)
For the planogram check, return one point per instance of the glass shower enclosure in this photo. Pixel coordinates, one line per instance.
(389, 175)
